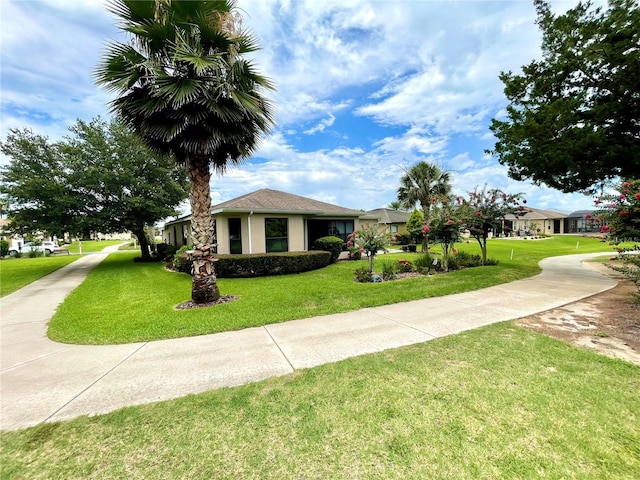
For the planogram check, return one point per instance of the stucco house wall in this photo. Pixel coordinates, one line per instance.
(307, 219)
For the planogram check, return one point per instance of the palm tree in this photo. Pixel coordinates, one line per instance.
(183, 85)
(395, 205)
(421, 184)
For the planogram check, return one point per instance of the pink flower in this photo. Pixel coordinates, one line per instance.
(454, 251)
(434, 199)
(425, 229)
(449, 222)
(605, 228)
(622, 196)
(361, 250)
(638, 196)
(349, 243)
(624, 213)
(478, 214)
(588, 216)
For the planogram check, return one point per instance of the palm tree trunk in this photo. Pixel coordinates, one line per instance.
(204, 288)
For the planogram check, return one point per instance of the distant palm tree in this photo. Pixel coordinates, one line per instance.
(185, 88)
(421, 184)
(395, 205)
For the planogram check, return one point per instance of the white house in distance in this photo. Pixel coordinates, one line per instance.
(270, 221)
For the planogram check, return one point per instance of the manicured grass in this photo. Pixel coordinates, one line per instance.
(122, 301)
(499, 402)
(90, 246)
(15, 273)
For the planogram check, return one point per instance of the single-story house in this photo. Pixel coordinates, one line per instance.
(394, 221)
(551, 222)
(269, 221)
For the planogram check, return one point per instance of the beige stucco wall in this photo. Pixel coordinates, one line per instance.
(252, 232)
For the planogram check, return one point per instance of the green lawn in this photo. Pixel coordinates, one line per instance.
(15, 273)
(499, 402)
(136, 301)
(90, 246)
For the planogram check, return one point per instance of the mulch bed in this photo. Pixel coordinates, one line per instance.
(220, 301)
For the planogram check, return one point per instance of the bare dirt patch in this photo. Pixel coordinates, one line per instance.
(608, 322)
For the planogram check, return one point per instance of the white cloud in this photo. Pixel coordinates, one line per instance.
(423, 74)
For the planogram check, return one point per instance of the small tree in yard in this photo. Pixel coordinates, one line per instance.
(370, 240)
(444, 223)
(484, 210)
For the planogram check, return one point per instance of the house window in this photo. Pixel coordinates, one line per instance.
(276, 234)
(341, 229)
(235, 236)
(394, 228)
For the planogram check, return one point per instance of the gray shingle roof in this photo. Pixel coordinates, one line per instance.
(387, 215)
(536, 214)
(267, 200)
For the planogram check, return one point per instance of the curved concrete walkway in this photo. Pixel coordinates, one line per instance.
(41, 380)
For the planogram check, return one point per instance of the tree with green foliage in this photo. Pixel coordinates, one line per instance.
(184, 85)
(100, 178)
(415, 224)
(484, 211)
(444, 224)
(572, 122)
(421, 184)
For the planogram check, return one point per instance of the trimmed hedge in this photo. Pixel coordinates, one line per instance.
(330, 244)
(260, 264)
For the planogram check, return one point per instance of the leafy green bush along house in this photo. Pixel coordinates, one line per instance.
(268, 221)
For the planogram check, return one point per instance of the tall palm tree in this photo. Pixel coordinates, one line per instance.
(421, 184)
(183, 85)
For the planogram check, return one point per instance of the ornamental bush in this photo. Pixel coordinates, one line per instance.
(329, 244)
(4, 248)
(265, 264)
(362, 275)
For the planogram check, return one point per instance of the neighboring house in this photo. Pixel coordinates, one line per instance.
(551, 222)
(270, 221)
(394, 221)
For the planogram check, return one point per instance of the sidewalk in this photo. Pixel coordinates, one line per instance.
(41, 380)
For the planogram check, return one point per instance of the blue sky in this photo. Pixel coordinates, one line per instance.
(365, 89)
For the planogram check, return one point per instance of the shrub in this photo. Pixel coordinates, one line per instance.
(265, 264)
(165, 250)
(181, 261)
(332, 245)
(354, 253)
(362, 275)
(424, 263)
(403, 238)
(404, 266)
(389, 270)
(4, 248)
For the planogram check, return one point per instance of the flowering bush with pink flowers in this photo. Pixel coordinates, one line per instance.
(485, 210)
(370, 240)
(619, 212)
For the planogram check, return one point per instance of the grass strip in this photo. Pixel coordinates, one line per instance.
(16, 273)
(497, 402)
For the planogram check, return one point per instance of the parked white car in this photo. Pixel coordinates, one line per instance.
(46, 246)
